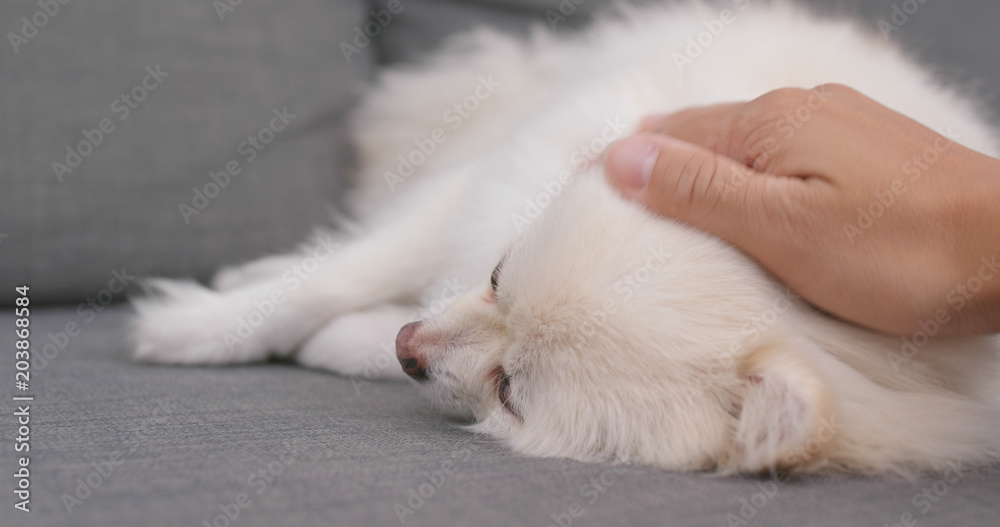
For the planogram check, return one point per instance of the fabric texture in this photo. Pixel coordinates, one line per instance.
(185, 442)
(217, 82)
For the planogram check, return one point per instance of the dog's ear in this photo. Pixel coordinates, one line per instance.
(784, 404)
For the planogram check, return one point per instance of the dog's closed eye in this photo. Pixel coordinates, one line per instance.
(504, 391)
(495, 277)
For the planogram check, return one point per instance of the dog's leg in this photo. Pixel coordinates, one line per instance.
(274, 266)
(266, 268)
(360, 344)
(404, 253)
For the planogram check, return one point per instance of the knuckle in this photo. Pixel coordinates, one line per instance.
(780, 100)
(834, 88)
(776, 123)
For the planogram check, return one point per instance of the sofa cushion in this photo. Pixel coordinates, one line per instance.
(114, 115)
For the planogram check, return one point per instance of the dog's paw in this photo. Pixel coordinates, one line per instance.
(185, 323)
(361, 344)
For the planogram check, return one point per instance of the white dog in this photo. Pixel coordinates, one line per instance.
(604, 332)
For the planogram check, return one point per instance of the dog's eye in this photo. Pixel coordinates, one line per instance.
(503, 392)
(495, 277)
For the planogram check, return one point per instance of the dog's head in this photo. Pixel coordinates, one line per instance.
(607, 333)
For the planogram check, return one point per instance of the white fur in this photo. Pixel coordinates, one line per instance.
(623, 335)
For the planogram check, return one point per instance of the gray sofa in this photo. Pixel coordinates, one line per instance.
(114, 116)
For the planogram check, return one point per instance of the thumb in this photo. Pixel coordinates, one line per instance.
(695, 185)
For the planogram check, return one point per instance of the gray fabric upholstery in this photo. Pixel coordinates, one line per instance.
(188, 440)
(120, 206)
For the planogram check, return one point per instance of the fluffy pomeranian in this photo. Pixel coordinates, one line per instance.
(567, 321)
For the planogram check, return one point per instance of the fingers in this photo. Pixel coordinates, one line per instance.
(779, 132)
(713, 127)
(697, 186)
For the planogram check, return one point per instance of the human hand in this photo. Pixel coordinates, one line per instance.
(862, 211)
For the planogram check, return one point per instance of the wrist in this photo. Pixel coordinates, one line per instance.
(974, 298)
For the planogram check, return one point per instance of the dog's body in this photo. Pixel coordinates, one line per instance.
(612, 333)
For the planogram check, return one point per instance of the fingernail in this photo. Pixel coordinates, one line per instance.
(630, 164)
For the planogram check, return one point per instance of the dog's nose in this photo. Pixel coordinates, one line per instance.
(413, 363)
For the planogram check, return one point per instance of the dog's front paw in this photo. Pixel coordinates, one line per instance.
(185, 323)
